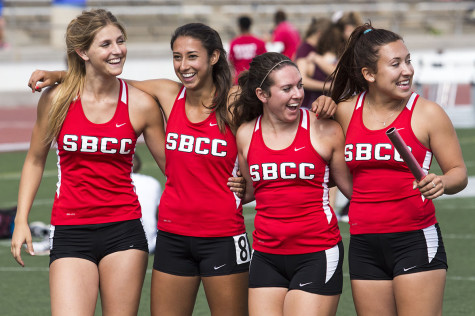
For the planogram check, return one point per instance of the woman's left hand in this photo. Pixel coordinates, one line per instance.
(237, 185)
(324, 107)
(431, 186)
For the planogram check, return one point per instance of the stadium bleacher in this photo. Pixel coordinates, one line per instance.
(153, 20)
(440, 34)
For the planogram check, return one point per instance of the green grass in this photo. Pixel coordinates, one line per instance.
(24, 291)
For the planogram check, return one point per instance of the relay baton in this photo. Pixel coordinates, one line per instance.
(405, 153)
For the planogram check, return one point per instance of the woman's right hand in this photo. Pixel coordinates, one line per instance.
(21, 234)
(40, 79)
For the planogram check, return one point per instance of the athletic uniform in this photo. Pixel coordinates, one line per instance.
(296, 232)
(383, 200)
(94, 168)
(197, 202)
(242, 50)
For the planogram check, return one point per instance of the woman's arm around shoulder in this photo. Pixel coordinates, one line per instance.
(147, 119)
(243, 140)
(31, 175)
(433, 128)
(328, 140)
(164, 91)
(40, 79)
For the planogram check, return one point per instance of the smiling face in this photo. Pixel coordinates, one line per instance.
(286, 94)
(395, 71)
(107, 52)
(191, 62)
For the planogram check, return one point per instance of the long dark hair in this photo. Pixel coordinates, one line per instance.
(362, 50)
(247, 105)
(222, 77)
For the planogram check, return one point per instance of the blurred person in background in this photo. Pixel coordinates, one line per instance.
(244, 47)
(97, 241)
(313, 77)
(149, 191)
(285, 34)
(347, 22)
(396, 254)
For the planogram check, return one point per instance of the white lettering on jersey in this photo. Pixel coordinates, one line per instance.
(283, 173)
(200, 145)
(70, 142)
(302, 173)
(104, 142)
(198, 148)
(363, 151)
(123, 143)
(254, 171)
(214, 147)
(91, 144)
(381, 152)
(245, 51)
(171, 141)
(377, 151)
(286, 171)
(186, 143)
(269, 171)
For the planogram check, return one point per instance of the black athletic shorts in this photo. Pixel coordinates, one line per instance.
(317, 272)
(201, 256)
(385, 256)
(94, 242)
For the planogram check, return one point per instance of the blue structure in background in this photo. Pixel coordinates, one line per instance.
(76, 3)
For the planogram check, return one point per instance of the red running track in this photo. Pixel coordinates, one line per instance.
(16, 124)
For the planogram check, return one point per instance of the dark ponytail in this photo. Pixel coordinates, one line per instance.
(362, 50)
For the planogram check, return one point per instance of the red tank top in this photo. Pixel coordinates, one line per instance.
(383, 200)
(200, 159)
(94, 168)
(291, 190)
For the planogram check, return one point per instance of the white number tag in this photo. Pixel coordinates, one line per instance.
(242, 246)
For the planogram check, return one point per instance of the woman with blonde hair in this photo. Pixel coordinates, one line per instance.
(97, 241)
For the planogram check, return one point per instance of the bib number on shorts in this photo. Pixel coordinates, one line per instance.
(241, 244)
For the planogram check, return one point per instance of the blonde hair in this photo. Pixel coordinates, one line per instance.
(80, 34)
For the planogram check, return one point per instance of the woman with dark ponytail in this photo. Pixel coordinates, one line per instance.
(287, 156)
(397, 258)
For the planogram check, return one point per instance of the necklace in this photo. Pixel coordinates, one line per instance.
(387, 118)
